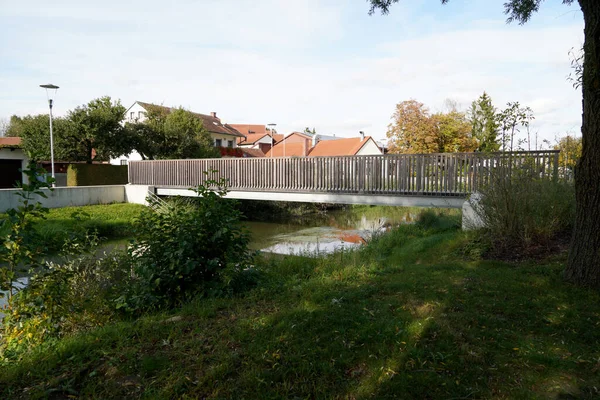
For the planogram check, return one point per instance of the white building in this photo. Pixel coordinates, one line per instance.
(12, 159)
(223, 135)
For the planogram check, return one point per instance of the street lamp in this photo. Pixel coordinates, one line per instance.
(49, 96)
(272, 126)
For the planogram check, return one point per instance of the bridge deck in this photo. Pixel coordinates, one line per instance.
(425, 176)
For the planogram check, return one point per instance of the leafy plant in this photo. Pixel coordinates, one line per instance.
(64, 297)
(522, 211)
(20, 249)
(182, 250)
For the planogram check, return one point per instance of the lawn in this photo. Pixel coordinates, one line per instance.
(408, 316)
(111, 221)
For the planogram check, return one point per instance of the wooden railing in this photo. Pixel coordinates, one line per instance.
(443, 174)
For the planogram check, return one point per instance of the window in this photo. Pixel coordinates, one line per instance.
(123, 162)
(218, 142)
(141, 114)
(132, 115)
(230, 143)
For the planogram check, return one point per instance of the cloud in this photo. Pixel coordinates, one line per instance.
(304, 63)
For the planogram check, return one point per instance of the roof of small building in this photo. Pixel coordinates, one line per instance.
(10, 142)
(248, 129)
(302, 134)
(252, 138)
(339, 147)
(296, 149)
(210, 123)
(252, 153)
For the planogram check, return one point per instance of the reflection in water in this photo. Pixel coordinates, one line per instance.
(326, 233)
(19, 284)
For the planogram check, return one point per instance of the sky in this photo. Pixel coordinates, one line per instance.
(325, 64)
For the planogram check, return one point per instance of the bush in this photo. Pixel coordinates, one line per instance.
(68, 296)
(96, 174)
(185, 249)
(522, 212)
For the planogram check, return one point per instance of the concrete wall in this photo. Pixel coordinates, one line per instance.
(137, 193)
(370, 199)
(69, 196)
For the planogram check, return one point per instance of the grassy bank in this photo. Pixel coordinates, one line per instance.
(111, 221)
(406, 317)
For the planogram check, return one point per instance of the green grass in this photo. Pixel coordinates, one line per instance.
(112, 221)
(406, 317)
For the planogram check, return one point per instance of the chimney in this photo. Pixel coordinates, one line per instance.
(213, 114)
(315, 140)
(362, 136)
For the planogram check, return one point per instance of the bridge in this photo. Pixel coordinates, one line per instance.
(421, 180)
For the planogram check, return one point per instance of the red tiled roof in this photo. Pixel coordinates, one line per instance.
(10, 142)
(296, 149)
(210, 123)
(252, 138)
(295, 136)
(339, 147)
(248, 129)
(252, 153)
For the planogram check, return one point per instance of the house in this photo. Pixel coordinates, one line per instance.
(12, 160)
(304, 145)
(359, 146)
(257, 137)
(223, 135)
(296, 144)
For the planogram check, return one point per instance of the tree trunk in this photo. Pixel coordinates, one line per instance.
(583, 266)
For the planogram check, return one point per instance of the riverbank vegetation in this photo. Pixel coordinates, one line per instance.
(409, 315)
(109, 221)
(425, 310)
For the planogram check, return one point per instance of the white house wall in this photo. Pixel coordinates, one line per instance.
(369, 149)
(136, 113)
(224, 139)
(16, 154)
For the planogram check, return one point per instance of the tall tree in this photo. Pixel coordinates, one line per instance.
(415, 130)
(170, 134)
(484, 124)
(453, 132)
(511, 119)
(14, 127)
(34, 131)
(583, 266)
(412, 129)
(4, 125)
(570, 152)
(96, 131)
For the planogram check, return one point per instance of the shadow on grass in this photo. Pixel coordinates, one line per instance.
(411, 322)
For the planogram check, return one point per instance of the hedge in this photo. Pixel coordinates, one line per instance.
(96, 174)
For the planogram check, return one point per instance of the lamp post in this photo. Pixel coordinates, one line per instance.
(272, 127)
(49, 96)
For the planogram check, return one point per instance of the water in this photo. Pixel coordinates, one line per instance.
(19, 284)
(314, 234)
(324, 233)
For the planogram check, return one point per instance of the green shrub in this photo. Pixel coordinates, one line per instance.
(20, 248)
(185, 249)
(71, 295)
(523, 212)
(96, 174)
